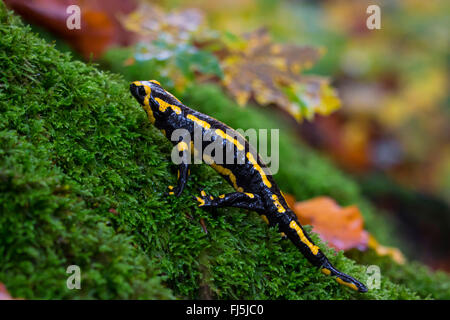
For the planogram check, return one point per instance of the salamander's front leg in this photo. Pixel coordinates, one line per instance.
(183, 170)
(235, 199)
(183, 174)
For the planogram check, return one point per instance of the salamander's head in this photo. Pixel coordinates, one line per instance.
(157, 102)
(144, 91)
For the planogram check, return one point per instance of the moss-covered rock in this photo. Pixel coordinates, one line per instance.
(82, 181)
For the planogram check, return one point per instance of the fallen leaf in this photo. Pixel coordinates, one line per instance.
(270, 74)
(99, 25)
(341, 227)
(4, 294)
(394, 253)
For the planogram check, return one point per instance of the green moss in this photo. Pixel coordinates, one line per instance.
(45, 228)
(426, 283)
(83, 176)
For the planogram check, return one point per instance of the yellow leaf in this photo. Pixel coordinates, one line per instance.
(270, 74)
(394, 253)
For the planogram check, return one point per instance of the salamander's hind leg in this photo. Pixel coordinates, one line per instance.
(235, 199)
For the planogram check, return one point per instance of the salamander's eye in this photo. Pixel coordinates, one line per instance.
(142, 91)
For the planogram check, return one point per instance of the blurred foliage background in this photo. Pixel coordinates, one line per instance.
(375, 102)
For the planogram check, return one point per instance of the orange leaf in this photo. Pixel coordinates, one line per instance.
(99, 25)
(341, 227)
(4, 294)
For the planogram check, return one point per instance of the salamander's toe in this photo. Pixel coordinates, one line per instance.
(201, 201)
(204, 199)
(174, 191)
(171, 190)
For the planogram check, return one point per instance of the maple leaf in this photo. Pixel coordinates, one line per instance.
(270, 73)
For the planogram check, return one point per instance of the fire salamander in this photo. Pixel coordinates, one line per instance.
(255, 188)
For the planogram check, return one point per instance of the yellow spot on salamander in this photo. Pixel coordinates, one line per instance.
(277, 203)
(202, 202)
(225, 136)
(227, 172)
(170, 187)
(203, 193)
(164, 105)
(293, 225)
(193, 150)
(147, 89)
(137, 83)
(171, 193)
(326, 271)
(223, 171)
(154, 81)
(259, 169)
(222, 196)
(182, 146)
(347, 284)
(251, 195)
(211, 197)
(146, 105)
(148, 109)
(201, 123)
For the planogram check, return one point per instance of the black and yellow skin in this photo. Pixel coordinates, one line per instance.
(255, 188)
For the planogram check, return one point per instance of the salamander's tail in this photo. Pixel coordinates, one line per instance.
(342, 278)
(294, 231)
